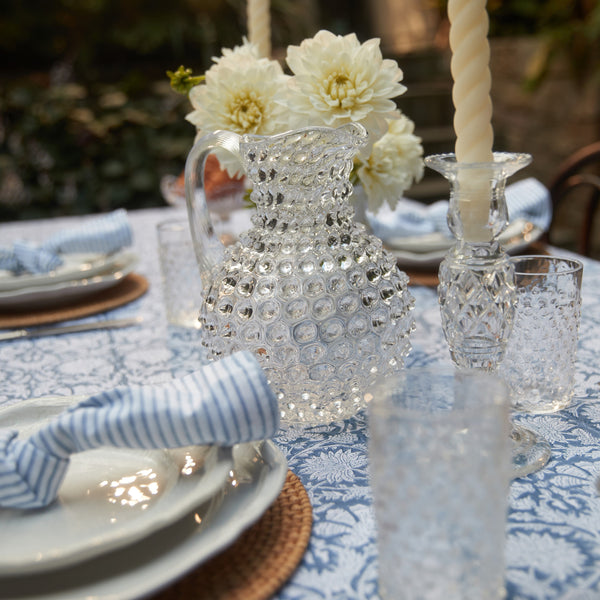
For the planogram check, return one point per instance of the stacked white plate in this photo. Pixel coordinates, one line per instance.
(128, 522)
(427, 251)
(79, 276)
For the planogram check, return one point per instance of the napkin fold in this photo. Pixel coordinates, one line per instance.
(527, 199)
(103, 234)
(223, 403)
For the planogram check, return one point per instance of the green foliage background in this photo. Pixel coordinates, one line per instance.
(88, 122)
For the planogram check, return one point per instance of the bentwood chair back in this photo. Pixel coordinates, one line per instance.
(576, 188)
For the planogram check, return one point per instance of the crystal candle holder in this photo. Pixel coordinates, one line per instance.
(476, 292)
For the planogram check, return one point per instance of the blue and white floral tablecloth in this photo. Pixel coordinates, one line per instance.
(553, 545)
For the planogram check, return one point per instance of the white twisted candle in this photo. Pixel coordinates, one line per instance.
(472, 80)
(473, 109)
(259, 25)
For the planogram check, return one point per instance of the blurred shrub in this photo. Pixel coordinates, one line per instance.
(87, 119)
(69, 149)
(567, 29)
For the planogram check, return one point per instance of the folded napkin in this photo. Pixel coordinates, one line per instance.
(103, 234)
(528, 199)
(224, 403)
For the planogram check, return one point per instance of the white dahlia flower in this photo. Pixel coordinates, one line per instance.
(246, 50)
(395, 163)
(338, 80)
(242, 93)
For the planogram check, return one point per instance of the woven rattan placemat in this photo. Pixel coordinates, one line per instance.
(261, 560)
(132, 287)
(425, 278)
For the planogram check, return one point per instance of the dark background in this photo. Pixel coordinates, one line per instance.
(88, 122)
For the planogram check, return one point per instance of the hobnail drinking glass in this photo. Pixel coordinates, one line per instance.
(440, 468)
(539, 362)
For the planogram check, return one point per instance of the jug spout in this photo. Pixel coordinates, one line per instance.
(207, 246)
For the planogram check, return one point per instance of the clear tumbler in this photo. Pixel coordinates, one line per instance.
(539, 362)
(182, 286)
(439, 454)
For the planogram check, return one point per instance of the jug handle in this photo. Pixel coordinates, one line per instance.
(207, 246)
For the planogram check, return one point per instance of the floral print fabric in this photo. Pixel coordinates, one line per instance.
(553, 531)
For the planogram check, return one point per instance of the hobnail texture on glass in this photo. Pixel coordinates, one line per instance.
(539, 364)
(439, 465)
(182, 288)
(319, 301)
(476, 290)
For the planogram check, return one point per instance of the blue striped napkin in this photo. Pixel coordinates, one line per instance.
(103, 234)
(224, 403)
(528, 199)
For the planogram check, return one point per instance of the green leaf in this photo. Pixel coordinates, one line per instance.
(182, 80)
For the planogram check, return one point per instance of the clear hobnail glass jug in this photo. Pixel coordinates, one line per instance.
(320, 303)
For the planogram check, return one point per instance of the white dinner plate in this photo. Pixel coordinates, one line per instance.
(75, 266)
(258, 475)
(110, 497)
(429, 250)
(53, 293)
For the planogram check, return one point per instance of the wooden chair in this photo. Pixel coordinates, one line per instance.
(577, 184)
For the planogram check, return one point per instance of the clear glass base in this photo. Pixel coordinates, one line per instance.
(476, 296)
(529, 453)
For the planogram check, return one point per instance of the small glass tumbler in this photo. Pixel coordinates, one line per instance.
(539, 363)
(182, 286)
(439, 459)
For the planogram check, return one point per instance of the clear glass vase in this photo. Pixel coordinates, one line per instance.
(476, 292)
(317, 299)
